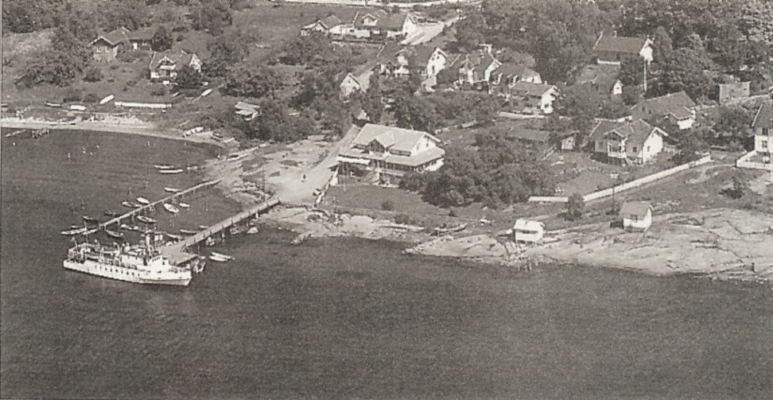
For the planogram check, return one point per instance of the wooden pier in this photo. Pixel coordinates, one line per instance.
(223, 225)
(140, 210)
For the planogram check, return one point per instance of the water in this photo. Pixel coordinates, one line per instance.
(339, 318)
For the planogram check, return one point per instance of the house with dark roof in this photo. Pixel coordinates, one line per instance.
(327, 26)
(634, 142)
(616, 49)
(603, 78)
(531, 98)
(396, 60)
(509, 73)
(105, 47)
(164, 66)
(636, 215)
(729, 91)
(678, 107)
(350, 85)
(382, 25)
(247, 111)
(391, 152)
(475, 68)
(763, 129)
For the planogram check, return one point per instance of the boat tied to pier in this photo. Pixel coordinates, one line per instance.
(172, 209)
(90, 219)
(143, 201)
(171, 190)
(171, 171)
(137, 264)
(146, 220)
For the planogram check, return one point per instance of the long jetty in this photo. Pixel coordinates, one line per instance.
(225, 224)
(139, 210)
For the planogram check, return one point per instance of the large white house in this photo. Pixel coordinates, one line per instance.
(531, 98)
(164, 66)
(397, 60)
(634, 142)
(390, 152)
(526, 231)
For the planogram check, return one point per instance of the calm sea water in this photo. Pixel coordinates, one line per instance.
(338, 318)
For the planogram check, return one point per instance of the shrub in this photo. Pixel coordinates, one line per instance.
(131, 83)
(180, 37)
(403, 219)
(387, 205)
(575, 207)
(159, 91)
(91, 98)
(93, 74)
(72, 95)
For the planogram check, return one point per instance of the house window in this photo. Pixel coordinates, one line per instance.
(764, 144)
(765, 131)
(634, 149)
(648, 148)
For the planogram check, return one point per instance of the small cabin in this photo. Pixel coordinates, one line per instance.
(636, 215)
(525, 231)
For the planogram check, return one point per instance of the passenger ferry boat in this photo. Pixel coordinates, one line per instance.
(136, 264)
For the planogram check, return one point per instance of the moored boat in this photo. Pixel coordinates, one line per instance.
(74, 231)
(90, 219)
(114, 234)
(172, 190)
(143, 201)
(111, 213)
(146, 220)
(218, 258)
(163, 166)
(187, 231)
(173, 236)
(171, 171)
(202, 227)
(172, 209)
(90, 231)
(184, 205)
(136, 264)
(224, 256)
(127, 204)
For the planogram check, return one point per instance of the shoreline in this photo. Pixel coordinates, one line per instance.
(140, 128)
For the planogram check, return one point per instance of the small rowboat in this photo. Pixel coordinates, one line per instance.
(172, 209)
(146, 220)
(223, 256)
(114, 234)
(134, 228)
(217, 258)
(126, 227)
(163, 166)
(172, 190)
(111, 213)
(202, 227)
(171, 171)
(73, 232)
(187, 231)
(127, 204)
(90, 219)
(143, 201)
(184, 205)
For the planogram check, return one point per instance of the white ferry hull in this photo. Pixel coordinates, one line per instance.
(182, 278)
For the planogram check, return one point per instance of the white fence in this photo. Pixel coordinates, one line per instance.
(744, 162)
(129, 104)
(625, 186)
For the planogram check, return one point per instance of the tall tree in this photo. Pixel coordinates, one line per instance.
(161, 40)
(258, 81)
(225, 51)
(212, 16)
(188, 78)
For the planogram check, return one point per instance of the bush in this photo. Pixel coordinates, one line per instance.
(72, 95)
(387, 205)
(131, 56)
(403, 219)
(91, 98)
(575, 207)
(159, 91)
(131, 83)
(180, 37)
(93, 74)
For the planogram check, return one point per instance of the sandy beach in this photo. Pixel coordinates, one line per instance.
(128, 125)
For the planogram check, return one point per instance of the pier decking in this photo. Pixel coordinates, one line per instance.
(139, 210)
(226, 223)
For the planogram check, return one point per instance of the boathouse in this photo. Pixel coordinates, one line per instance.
(526, 231)
(636, 215)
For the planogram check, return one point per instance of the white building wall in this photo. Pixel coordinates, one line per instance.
(763, 144)
(643, 224)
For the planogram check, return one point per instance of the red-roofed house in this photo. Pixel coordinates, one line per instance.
(164, 66)
(616, 49)
(678, 107)
(391, 152)
(634, 142)
(532, 98)
(763, 129)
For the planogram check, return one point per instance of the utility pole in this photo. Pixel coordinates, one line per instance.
(645, 76)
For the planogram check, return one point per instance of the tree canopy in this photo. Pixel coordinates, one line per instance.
(253, 81)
